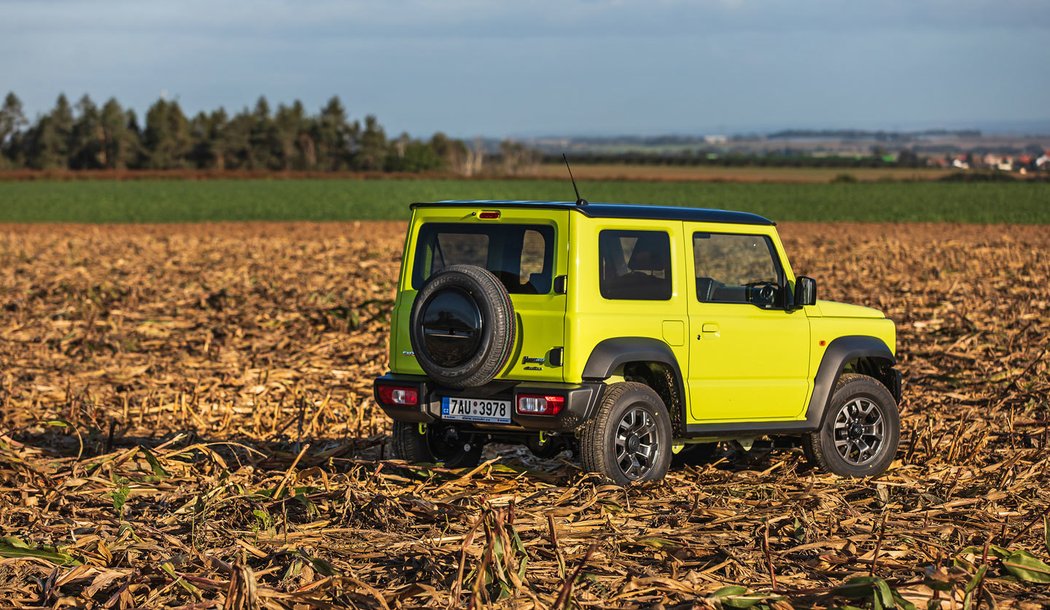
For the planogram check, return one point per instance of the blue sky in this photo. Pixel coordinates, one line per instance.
(535, 67)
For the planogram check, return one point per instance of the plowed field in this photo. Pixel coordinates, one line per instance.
(186, 419)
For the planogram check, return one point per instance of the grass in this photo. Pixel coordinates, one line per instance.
(104, 201)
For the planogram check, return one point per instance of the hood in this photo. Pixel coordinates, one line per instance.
(831, 309)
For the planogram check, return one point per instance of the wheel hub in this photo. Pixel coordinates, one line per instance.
(636, 443)
(860, 432)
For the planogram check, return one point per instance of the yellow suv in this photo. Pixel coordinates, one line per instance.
(626, 333)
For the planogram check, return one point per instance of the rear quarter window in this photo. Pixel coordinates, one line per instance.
(634, 265)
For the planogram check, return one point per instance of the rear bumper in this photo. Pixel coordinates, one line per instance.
(581, 401)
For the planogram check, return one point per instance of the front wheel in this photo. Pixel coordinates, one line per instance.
(629, 439)
(861, 429)
(436, 443)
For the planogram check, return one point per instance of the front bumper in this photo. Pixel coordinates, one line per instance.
(581, 402)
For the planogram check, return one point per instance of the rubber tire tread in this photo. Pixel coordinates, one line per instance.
(594, 453)
(847, 387)
(501, 340)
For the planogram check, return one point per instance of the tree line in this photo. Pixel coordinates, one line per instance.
(85, 136)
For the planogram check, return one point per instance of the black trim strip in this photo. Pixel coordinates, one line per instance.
(615, 210)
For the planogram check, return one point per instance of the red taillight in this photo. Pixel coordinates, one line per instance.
(489, 214)
(540, 404)
(399, 396)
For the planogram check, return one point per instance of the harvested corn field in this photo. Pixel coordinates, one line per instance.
(187, 421)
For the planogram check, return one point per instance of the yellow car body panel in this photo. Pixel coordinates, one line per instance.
(590, 318)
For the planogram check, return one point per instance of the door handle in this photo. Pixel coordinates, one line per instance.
(710, 329)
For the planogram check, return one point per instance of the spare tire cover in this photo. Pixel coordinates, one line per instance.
(463, 326)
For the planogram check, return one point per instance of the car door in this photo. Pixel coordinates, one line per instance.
(747, 362)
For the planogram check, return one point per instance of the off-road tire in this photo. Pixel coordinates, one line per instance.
(409, 445)
(498, 332)
(864, 392)
(598, 438)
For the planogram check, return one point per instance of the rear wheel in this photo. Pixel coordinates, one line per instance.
(438, 442)
(861, 429)
(629, 439)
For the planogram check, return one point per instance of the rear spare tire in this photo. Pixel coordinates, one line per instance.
(462, 326)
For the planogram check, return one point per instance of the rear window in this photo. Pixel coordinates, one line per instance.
(521, 256)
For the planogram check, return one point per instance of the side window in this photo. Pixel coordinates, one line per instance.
(727, 265)
(635, 265)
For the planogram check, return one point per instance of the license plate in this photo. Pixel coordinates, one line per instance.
(475, 409)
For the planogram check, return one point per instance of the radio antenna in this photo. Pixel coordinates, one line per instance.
(579, 200)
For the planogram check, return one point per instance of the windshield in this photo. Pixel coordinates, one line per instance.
(521, 256)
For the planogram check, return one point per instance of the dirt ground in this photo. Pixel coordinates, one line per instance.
(186, 419)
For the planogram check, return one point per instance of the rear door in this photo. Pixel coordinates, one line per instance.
(524, 248)
(746, 362)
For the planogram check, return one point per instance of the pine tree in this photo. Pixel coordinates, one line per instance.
(119, 142)
(293, 138)
(12, 121)
(87, 140)
(166, 138)
(334, 136)
(373, 152)
(209, 140)
(237, 138)
(62, 121)
(265, 147)
(47, 142)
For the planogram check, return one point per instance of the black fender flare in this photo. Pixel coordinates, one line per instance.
(611, 354)
(839, 352)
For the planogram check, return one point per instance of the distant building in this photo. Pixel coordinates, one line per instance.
(716, 139)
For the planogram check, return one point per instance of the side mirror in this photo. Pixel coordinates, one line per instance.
(805, 291)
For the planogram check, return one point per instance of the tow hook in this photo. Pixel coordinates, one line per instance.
(422, 429)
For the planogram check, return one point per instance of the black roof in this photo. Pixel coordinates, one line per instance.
(616, 210)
